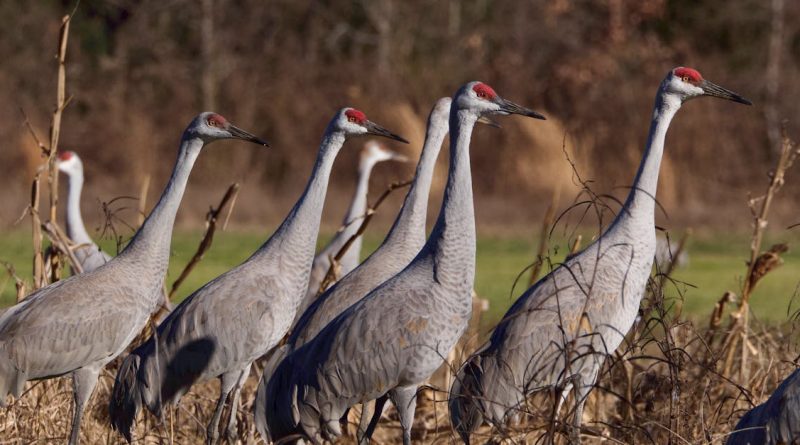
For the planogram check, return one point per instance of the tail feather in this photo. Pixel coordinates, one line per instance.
(126, 398)
(12, 379)
(466, 411)
(260, 403)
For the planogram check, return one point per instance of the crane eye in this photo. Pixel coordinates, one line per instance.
(351, 119)
(482, 95)
(685, 78)
(211, 123)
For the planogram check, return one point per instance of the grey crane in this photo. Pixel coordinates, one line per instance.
(87, 252)
(399, 334)
(77, 325)
(559, 331)
(219, 330)
(371, 155)
(776, 421)
(402, 243)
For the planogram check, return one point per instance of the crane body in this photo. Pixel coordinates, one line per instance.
(78, 325)
(559, 332)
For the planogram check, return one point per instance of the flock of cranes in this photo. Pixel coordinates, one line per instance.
(379, 332)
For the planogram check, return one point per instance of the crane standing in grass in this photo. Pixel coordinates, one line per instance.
(774, 422)
(87, 253)
(558, 333)
(371, 155)
(77, 325)
(400, 333)
(402, 243)
(219, 330)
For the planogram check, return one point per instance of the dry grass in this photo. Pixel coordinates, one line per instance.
(663, 386)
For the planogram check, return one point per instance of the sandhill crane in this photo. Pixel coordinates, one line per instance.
(557, 334)
(87, 253)
(399, 334)
(404, 241)
(776, 421)
(219, 330)
(371, 155)
(77, 325)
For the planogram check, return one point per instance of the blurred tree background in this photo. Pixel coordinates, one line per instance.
(139, 70)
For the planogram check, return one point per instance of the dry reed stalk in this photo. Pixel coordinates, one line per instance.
(576, 245)
(331, 276)
(39, 276)
(62, 244)
(55, 127)
(19, 283)
(759, 264)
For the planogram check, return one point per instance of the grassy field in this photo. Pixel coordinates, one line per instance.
(716, 264)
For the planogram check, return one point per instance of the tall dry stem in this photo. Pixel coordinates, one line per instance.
(39, 276)
(759, 263)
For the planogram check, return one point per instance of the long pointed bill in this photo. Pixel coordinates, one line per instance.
(509, 107)
(238, 133)
(712, 89)
(377, 130)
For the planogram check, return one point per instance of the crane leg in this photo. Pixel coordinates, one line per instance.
(231, 432)
(562, 397)
(83, 383)
(371, 413)
(405, 400)
(227, 382)
(582, 386)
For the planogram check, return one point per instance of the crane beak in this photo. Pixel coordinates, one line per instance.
(712, 89)
(395, 156)
(508, 107)
(238, 133)
(486, 121)
(377, 130)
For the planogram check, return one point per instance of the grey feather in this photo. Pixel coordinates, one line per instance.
(776, 421)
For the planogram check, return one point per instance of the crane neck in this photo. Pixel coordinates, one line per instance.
(151, 243)
(409, 227)
(293, 243)
(452, 240)
(640, 204)
(352, 219)
(75, 228)
(358, 205)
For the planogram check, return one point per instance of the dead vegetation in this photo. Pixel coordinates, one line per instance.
(671, 382)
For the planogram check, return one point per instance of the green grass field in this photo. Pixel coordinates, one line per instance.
(717, 264)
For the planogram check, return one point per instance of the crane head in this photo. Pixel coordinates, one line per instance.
(687, 83)
(69, 163)
(211, 127)
(481, 99)
(353, 122)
